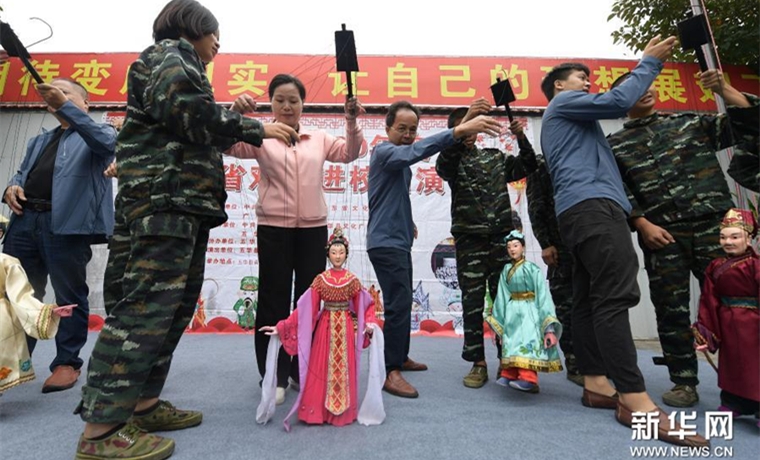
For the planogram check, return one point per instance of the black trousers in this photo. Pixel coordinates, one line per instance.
(393, 268)
(283, 252)
(604, 288)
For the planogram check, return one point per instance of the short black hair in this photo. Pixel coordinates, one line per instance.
(284, 79)
(80, 87)
(184, 18)
(457, 114)
(395, 107)
(560, 72)
(619, 80)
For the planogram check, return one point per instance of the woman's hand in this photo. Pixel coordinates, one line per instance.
(269, 330)
(353, 108)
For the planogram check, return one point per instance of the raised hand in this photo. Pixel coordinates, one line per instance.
(517, 128)
(479, 124)
(353, 108)
(280, 131)
(53, 96)
(659, 48)
(244, 104)
(478, 107)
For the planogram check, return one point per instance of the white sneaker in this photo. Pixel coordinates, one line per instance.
(279, 396)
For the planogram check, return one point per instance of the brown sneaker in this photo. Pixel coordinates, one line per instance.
(681, 396)
(410, 365)
(395, 384)
(129, 443)
(477, 377)
(599, 401)
(625, 417)
(166, 417)
(63, 378)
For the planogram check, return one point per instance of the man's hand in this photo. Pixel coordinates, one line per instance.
(53, 96)
(713, 80)
(3, 57)
(353, 108)
(478, 107)
(480, 124)
(14, 198)
(110, 170)
(659, 48)
(244, 104)
(550, 256)
(550, 340)
(654, 236)
(516, 127)
(282, 132)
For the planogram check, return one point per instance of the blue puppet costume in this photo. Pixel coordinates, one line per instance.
(523, 317)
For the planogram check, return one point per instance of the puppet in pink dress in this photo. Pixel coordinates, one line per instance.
(334, 320)
(729, 320)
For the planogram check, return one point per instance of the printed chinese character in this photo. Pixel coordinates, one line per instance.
(719, 425)
(430, 181)
(402, 81)
(340, 86)
(47, 70)
(360, 179)
(669, 86)
(91, 74)
(4, 68)
(233, 177)
(255, 179)
(333, 179)
(518, 78)
(645, 426)
(464, 76)
(244, 78)
(605, 77)
(687, 429)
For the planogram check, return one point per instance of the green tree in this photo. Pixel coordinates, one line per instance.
(734, 24)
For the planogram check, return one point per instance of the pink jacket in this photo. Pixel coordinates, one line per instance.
(290, 191)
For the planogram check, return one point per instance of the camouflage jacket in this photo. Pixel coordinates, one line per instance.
(540, 196)
(478, 180)
(669, 166)
(745, 169)
(168, 152)
(543, 219)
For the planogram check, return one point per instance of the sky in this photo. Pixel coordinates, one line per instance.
(540, 28)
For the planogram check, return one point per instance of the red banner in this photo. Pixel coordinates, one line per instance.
(425, 81)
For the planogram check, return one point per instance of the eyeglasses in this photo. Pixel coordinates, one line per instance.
(405, 131)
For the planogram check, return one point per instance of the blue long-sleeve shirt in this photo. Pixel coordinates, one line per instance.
(390, 209)
(580, 160)
(82, 197)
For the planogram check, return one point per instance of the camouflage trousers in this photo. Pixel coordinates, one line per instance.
(480, 260)
(155, 270)
(561, 288)
(697, 244)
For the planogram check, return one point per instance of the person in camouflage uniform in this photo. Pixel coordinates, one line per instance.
(171, 194)
(481, 216)
(556, 256)
(679, 194)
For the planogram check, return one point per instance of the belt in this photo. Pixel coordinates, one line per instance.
(523, 295)
(32, 204)
(739, 302)
(336, 306)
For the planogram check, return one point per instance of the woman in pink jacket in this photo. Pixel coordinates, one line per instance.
(291, 210)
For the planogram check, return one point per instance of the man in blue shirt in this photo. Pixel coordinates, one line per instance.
(592, 209)
(62, 203)
(391, 228)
